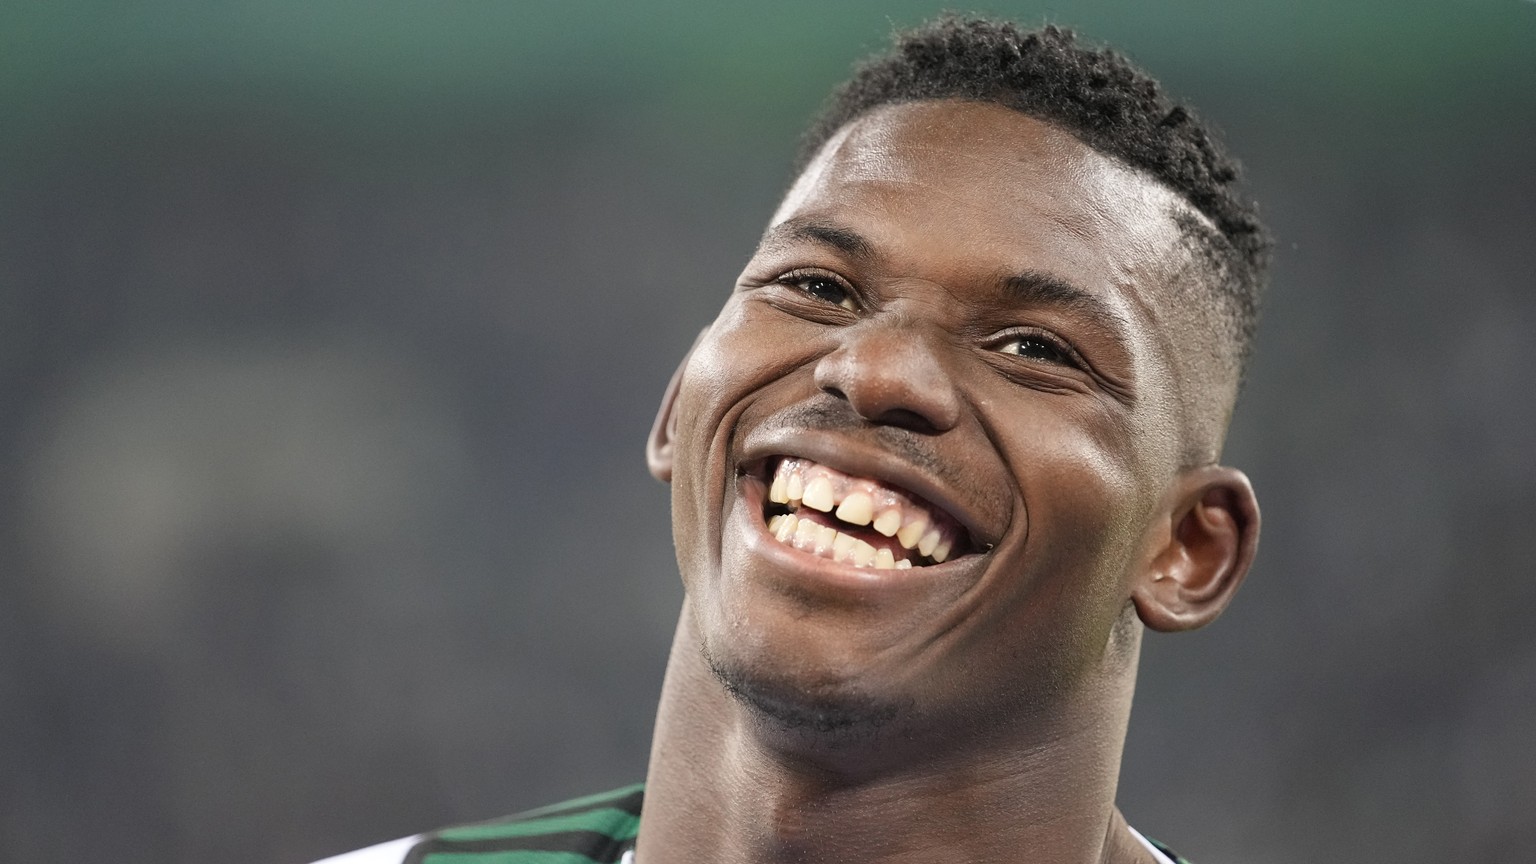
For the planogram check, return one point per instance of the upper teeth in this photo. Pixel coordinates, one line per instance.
(860, 502)
(818, 494)
(858, 509)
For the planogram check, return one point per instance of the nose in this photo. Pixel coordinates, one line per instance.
(892, 375)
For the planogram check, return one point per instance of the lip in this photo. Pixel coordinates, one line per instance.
(861, 460)
(840, 578)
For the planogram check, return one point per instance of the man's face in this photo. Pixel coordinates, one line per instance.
(952, 344)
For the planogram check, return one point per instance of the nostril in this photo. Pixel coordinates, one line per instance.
(905, 419)
(835, 392)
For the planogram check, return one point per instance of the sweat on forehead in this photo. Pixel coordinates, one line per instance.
(1118, 238)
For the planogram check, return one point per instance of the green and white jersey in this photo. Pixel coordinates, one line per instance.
(597, 829)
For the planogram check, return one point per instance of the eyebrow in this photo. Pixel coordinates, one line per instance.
(1034, 288)
(837, 237)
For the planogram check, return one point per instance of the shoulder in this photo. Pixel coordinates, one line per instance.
(597, 828)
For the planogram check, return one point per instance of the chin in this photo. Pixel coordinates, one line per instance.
(829, 711)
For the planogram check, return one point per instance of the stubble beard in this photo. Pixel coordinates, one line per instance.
(825, 721)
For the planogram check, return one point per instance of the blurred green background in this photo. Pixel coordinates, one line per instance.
(330, 333)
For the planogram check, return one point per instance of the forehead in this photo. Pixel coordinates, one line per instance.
(993, 188)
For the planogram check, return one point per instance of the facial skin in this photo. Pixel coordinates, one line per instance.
(970, 305)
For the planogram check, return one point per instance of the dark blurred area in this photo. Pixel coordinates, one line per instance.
(330, 335)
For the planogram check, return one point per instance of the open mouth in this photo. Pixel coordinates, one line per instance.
(854, 520)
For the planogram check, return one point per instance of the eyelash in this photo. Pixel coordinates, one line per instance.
(1064, 353)
(797, 279)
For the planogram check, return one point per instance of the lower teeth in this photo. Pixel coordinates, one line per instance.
(826, 542)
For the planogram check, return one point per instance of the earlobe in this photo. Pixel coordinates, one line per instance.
(1202, 552)
(658, 448)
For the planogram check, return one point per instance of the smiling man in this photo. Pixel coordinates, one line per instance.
(950, 446)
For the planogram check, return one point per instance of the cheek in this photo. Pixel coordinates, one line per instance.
(692, 487)
(745, 351)
(1086, 505)
(750, 348)
(742, 346)
(711, 384)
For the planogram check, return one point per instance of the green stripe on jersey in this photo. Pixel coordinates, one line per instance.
(584, 802)
(1163, 848)
(608, 821)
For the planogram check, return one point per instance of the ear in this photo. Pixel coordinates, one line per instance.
(658, 448)
(1202, 552)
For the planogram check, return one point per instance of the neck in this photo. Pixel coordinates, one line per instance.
(725, 787)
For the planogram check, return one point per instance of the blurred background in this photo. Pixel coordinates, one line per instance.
(330, 334)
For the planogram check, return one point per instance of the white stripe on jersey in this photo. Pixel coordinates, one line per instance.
(1161, 858)
(392, 852)
(629, 857)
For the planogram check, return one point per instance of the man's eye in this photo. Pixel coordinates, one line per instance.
(1037, 348)
(824, 289)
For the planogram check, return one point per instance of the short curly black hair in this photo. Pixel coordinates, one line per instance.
(1102, 99)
